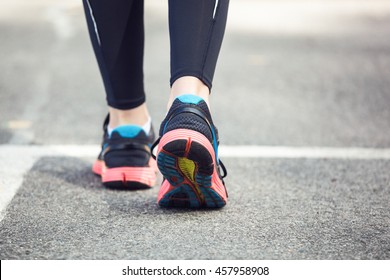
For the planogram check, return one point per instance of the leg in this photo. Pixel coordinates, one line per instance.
(187, 153)
(196, 31)
(117, 33)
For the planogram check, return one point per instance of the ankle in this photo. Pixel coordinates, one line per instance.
(189, 85)
(136, 116)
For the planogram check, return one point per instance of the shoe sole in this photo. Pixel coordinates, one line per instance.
(126, 178)
(98, 167)
(186, 159)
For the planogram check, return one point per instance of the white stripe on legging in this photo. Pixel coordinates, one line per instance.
(215, 8)
(94, 22)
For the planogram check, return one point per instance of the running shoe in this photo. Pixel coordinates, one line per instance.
(187, 156)
(125, 160)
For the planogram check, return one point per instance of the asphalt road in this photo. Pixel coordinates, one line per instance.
(291, 73)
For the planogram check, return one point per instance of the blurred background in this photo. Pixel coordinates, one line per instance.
(292, 72)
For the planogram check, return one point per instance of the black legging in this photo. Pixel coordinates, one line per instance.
(116, 29)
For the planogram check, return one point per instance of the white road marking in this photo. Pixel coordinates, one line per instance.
(12, 169)
(225, 151)
(304, 152)
(17, 160)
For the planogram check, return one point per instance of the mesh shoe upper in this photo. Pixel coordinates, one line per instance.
(127, 146)
(180, 118)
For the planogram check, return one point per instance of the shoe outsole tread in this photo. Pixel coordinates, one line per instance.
(189, 168)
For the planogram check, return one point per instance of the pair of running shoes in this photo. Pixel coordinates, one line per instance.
(187, 157)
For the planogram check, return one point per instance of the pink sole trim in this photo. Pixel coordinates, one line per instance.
(98, 167)
(164, 189)
(192, 136)
(144, 175)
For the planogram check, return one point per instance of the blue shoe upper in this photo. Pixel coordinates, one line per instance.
(190, 99)
(128, 131)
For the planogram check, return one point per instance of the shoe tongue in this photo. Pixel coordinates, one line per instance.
(128, 131)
